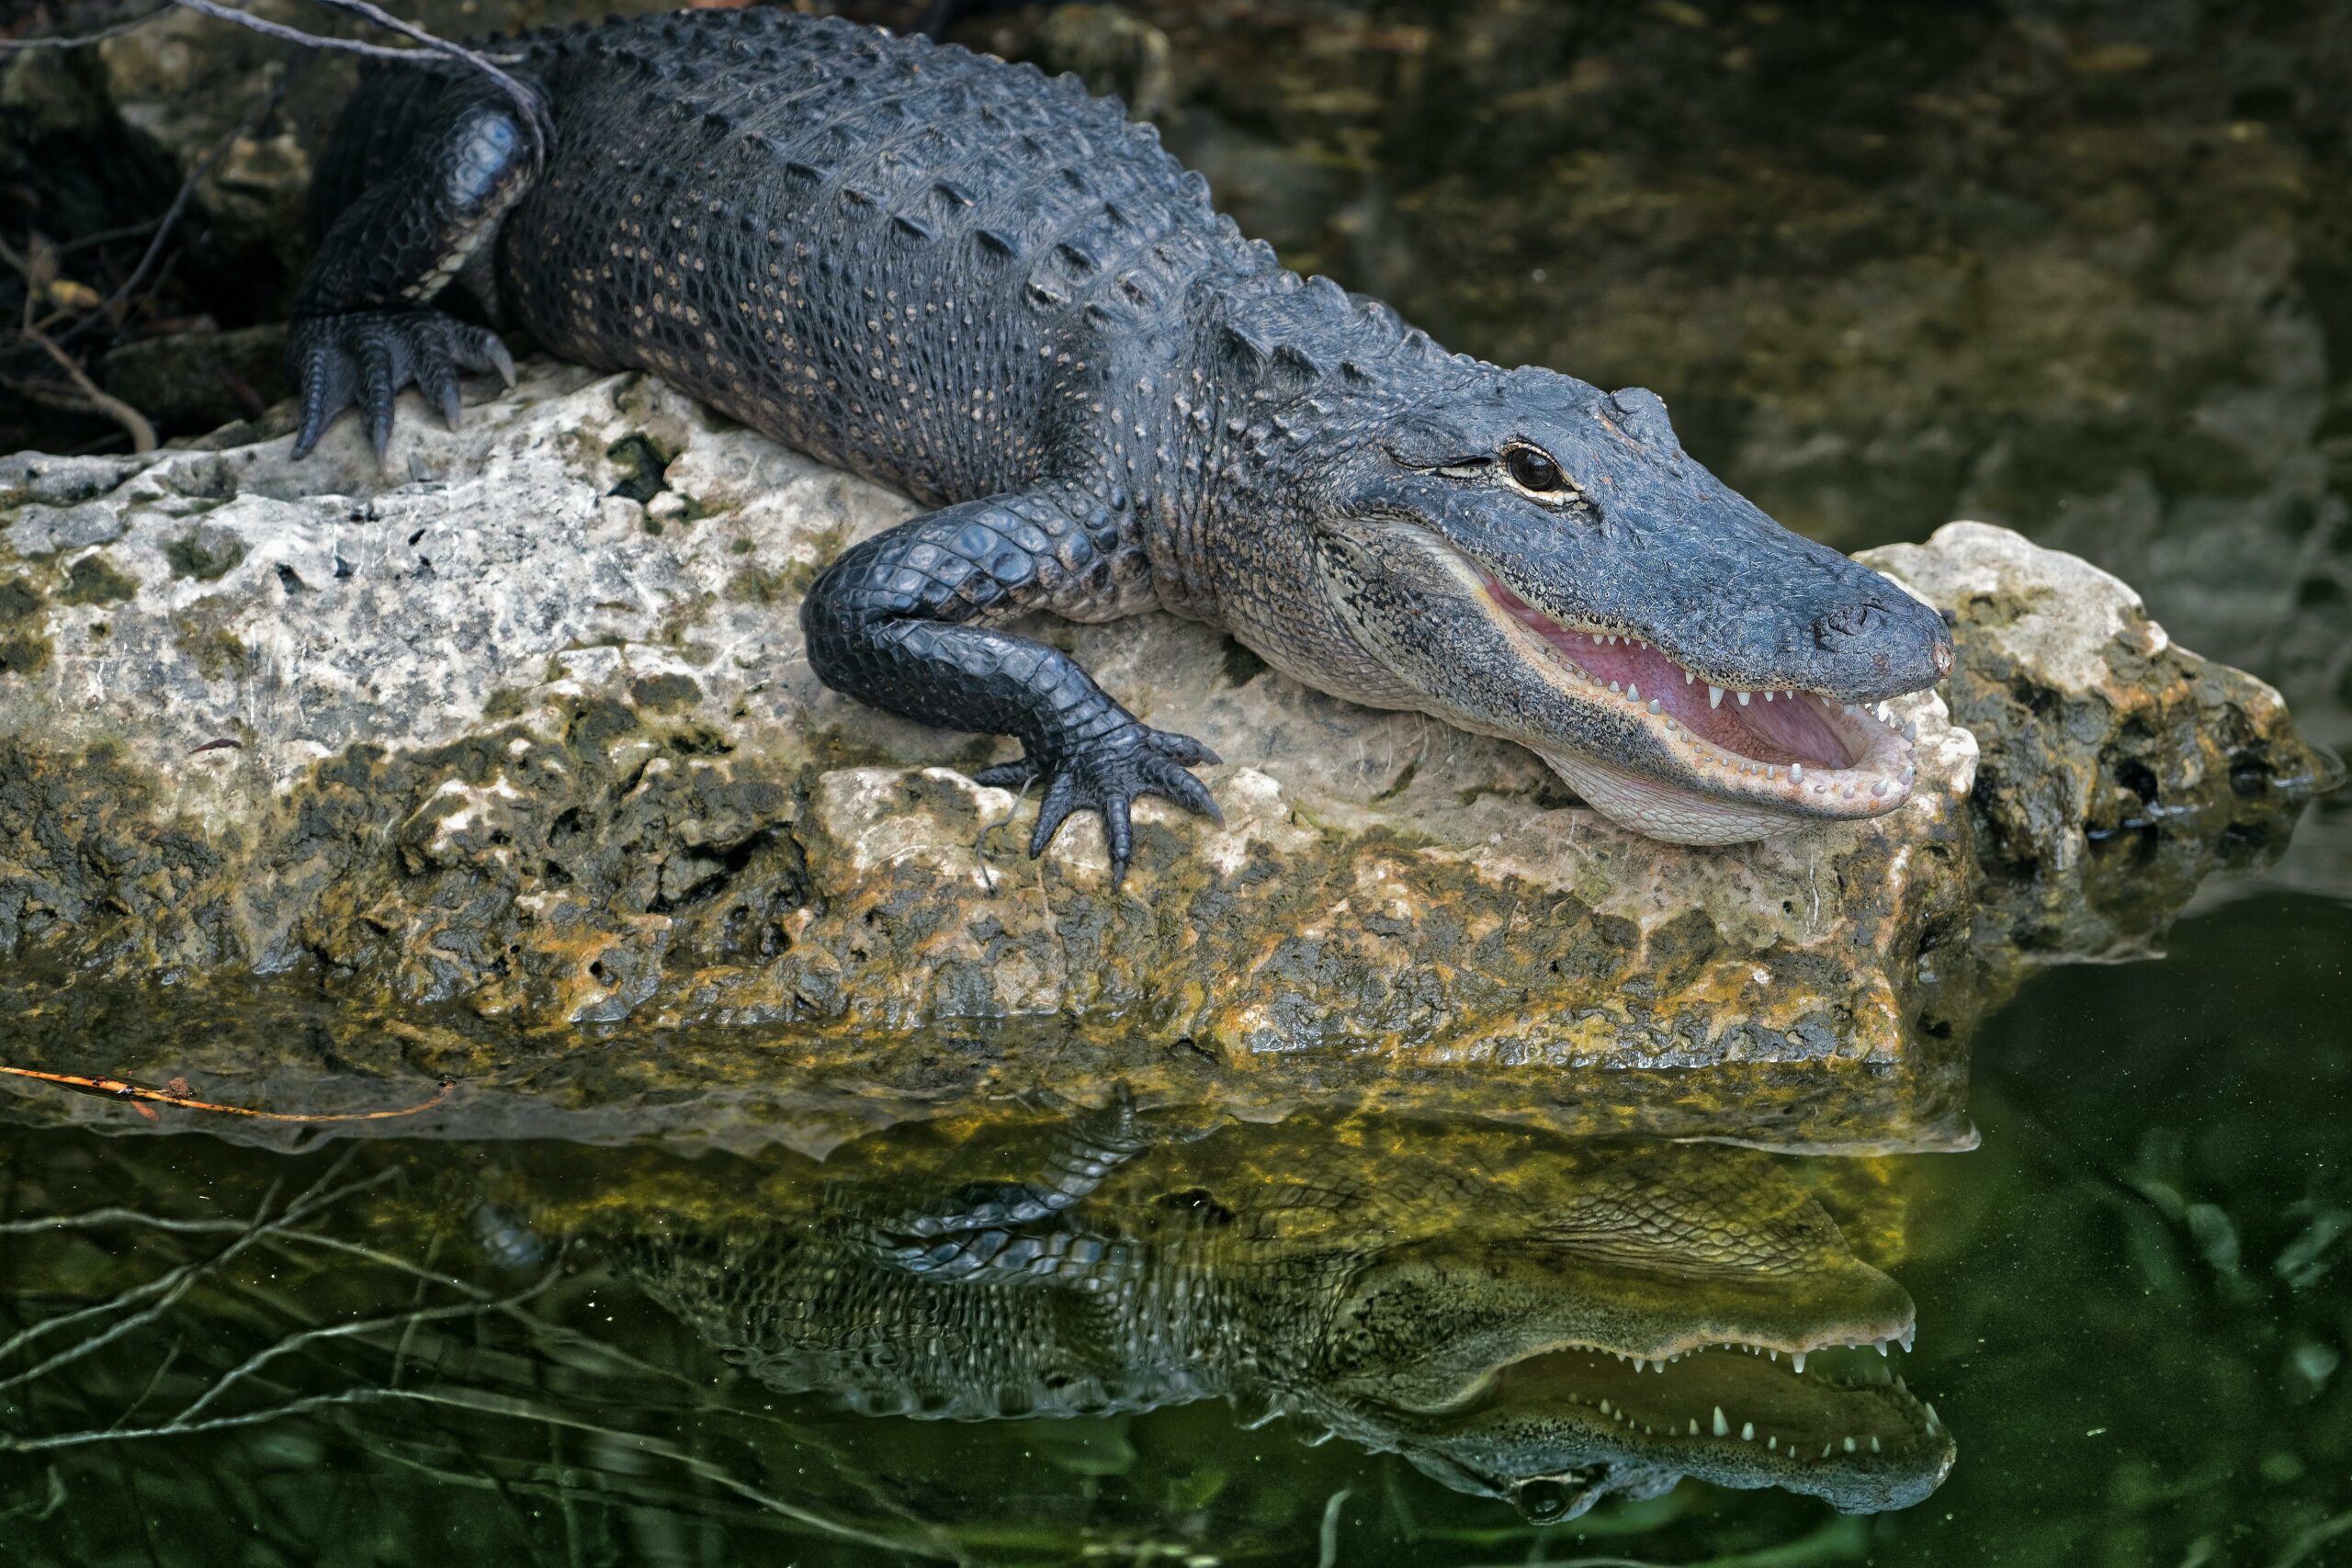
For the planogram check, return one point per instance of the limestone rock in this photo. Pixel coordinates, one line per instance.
(516, 732)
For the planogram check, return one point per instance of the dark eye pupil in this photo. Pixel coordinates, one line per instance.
(1533, 470)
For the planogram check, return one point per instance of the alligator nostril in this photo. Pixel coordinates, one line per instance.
(1847, 621)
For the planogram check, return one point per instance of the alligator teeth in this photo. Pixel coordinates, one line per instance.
(1772, 1442)
(1852, 1445)
(1796, 1359)
(1743, 698)
(1797, 773)
(1633, 691)
(1910, 730)
(1747, 1431)
(1597, 639)
(1723, 1428)
(1933, 1424)
(1694, 1426)
(1640, 1365)
(1687, 677)
(1878, 788)
(1875, 1448)
(1715, 697)
(1882, 1346)
(1768, 696)
(1614, 686)
(1908, 1335)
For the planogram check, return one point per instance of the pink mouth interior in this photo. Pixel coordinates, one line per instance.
(1786, 729)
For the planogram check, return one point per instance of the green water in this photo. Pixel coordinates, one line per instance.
(2132, 1305)
(2081, 269)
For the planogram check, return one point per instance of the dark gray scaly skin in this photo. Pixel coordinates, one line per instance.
(1478, 1328)
(989, 291)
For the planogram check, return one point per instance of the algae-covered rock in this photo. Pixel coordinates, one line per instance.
(2118, 769)
(519, 727)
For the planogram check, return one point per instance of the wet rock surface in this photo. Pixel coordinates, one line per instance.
(515, 735)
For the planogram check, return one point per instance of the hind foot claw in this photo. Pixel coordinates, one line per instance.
(366, 356)
(1106, 775)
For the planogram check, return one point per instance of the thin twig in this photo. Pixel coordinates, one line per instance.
(164, 1281)
(181, 1279)
(484, 1403)
(142, 434)
(116, 1089)
(534, 109)
(413, 1317)
(77, 40)
(94, 1218)
(130, 285)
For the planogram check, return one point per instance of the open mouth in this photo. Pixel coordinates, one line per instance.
(1852, 1405)
(1820, 755)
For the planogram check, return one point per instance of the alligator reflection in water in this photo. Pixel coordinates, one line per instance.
(1519, 1316)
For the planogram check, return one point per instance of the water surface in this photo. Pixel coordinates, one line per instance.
(2081, 269)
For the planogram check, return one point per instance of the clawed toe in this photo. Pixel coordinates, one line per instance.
(365, 357)
(1105, 778)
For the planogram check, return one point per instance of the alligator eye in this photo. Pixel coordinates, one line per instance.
(1533, 470)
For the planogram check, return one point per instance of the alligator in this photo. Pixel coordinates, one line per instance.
(993, 293)
(1589, 1321)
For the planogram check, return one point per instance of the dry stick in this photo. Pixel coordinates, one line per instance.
(412, 1317)
(171, 218)
(534, 109)
(116, 1088)
(183, 1278)
(927, 1540)
(161, 1283)
(143, 435)
(76, 40)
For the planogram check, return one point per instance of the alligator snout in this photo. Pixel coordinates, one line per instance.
(1902, 645)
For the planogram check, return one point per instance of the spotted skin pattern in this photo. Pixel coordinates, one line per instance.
(991, 292)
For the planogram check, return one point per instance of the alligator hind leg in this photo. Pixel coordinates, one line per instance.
(897, 622)
(364, 326)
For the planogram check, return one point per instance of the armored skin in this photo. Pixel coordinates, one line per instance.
(991, 292)
(1551, 1325)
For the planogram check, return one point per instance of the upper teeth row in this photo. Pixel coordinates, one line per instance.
(1643, 1363)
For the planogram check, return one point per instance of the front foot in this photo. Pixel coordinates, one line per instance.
(1106, 775)
(366, 356)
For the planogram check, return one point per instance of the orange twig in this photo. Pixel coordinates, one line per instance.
(116, 1088)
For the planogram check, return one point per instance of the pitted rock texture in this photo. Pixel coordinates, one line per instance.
(521, 725)
(2118, 769)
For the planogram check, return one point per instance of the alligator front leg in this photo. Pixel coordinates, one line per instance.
(363, 326)
(898, 622)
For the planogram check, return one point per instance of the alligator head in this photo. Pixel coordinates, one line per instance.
(1679, 1313)
(1530, 557)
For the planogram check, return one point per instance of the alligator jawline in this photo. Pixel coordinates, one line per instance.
(1717, 1398)
(1818, 755)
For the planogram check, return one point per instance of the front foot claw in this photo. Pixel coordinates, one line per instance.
(1106, 775)
(366, 356)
